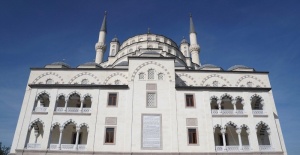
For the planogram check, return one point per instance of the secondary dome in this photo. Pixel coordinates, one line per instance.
(240, 68)
(58, 65)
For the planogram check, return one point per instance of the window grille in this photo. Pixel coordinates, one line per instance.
(160, 76)
(151, 100)
(151, 74)
(141, 76)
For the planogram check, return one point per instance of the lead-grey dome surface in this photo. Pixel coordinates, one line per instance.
(238, 66)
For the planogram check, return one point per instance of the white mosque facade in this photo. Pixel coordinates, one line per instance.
(150, 97)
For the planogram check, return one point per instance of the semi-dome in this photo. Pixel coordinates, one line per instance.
(240, 68)
(58, 65)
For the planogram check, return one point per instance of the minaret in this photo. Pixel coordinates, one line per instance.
(194, 47)
(100, 46)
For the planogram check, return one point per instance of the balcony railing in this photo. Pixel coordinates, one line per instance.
(72, 110)
(259, 112)
(265, 148)
(41, 109)
(233, 148)
(81, 147)
(227, 112)
(33, 146)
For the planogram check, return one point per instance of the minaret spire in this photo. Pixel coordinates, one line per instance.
(194, 46)
(100, 46)
(192, 28)
(103, 26)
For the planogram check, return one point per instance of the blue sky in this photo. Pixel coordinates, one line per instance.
(263, 34)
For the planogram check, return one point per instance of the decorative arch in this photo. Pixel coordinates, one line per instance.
(262, 123)
(227, 95)
(189, 77)
(35, 122)
(113, 75)
(245, 126)
(84, 124)
(256, 96)
(215, 75)
(68, 122)
(42, 92)
(239, 98)
(214, 97)
(46, 74)
(55, 124)
(217, 126)
(148, 63)
(249, 76)
(61, 94)
(230, 123)
(82, 74)
(87, 95)
(73, 92)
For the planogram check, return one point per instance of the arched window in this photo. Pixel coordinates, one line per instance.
(160, 76)
(117, 82)
(215, 83)
(249, 84)
(84, 81)
(49, 81)
(151, 74)
(141, 76)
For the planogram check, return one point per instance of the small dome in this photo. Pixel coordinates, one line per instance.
(115, 39)
(208, 66)
(63, 64)
(238, 67)
(89, 65)
(184, 41)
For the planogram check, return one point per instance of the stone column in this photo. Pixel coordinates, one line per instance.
(219, 106)
(66, 105)
(223, 131)
(60, 137)
(234, 106)
(81, 104)
(77, 138)
(238, 131)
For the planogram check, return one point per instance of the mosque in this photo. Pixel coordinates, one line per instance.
(151, 96)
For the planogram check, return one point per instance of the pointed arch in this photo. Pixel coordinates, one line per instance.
(226, 95)
(214, 98)
(55, 124)
(256, 96)
(87, 95)
(69, 122)
(72, 93)
(34, 123)
(263, 124)
(251, 77)
(61, 94)
(84, 124)
(245, 126)
(41, 93)
(230, 123)
(217, 126)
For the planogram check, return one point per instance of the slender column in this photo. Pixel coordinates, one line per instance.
(234, 106)
(60, 136)
(223, 131)
(81, 105)
(248, 133)
(77, 138)
(66, 105)
(38, 103)
(238, 131)
(219, 105)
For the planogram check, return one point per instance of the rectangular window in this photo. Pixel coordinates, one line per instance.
(110, 135)
(192, 134)
(112, 99)
(189, 100)
(151, 100)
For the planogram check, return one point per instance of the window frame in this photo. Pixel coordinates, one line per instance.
(117, 99)
(114, 138)
(194, 100)
(197, 137)
(155, 100)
